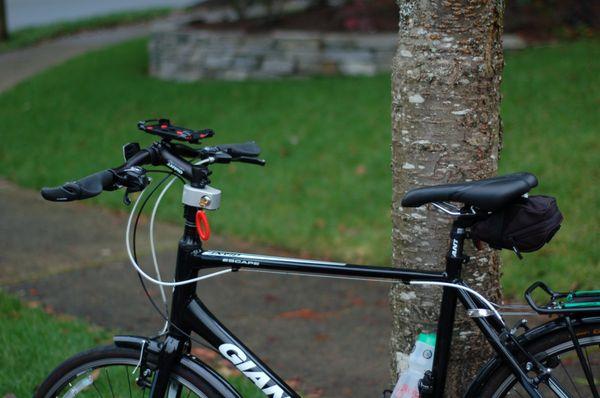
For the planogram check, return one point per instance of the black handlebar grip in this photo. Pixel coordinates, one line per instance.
(85, 188)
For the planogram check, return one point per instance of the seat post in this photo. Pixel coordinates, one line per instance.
(454, 261)
(455, 257)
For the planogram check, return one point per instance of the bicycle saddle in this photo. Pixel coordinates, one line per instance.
(487, 194)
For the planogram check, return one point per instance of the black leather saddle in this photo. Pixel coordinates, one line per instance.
(487, 194)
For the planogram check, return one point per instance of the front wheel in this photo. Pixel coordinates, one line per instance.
(556, 351)
(112, 372)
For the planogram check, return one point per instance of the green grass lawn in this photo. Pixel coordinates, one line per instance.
(33, 343)
(326, 189)
(29, 36)
(552, 128)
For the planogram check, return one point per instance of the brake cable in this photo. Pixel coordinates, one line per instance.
(139, 269)
(164, 316)
(139, 213)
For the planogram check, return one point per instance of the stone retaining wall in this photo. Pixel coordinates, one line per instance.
(187, 54)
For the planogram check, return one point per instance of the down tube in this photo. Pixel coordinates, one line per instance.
(203, 322)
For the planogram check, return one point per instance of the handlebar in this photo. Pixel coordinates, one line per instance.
(132, 176)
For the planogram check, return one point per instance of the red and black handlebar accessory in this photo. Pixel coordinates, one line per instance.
(167, 131)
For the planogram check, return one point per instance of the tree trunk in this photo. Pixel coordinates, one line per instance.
(445, 128)
(3, 22)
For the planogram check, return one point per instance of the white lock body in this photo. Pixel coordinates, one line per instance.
(207, 198)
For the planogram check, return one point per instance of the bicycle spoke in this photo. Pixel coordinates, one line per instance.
(100, 377)
(569, 376)
(97, 391)
(128, 380)
(593, 387)
(112, 393)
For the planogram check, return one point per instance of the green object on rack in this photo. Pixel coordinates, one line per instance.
(570, 300)
(585, 293)
(583, 304)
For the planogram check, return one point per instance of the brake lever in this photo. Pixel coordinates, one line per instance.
(134, 179)
(221, 157)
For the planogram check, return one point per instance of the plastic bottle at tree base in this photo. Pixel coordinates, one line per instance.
(420, 360)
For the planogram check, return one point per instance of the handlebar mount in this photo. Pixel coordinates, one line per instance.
(164, 129)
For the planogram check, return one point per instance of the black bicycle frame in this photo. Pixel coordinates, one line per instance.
(189, 314)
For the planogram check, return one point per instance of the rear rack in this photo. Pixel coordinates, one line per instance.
(578, 301)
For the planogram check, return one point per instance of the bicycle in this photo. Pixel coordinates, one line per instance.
(558, 358)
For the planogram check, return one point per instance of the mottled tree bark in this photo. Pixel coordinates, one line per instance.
(3, 22)
(445, 128)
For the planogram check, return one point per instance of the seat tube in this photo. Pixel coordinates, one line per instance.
(454, 261)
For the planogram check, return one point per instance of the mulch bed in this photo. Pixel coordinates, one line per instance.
(536, 21)
(357, 16)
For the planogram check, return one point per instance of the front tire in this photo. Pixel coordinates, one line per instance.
(111, 372)
(556, 351)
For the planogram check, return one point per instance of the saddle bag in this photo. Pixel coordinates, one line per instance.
(524, 226)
